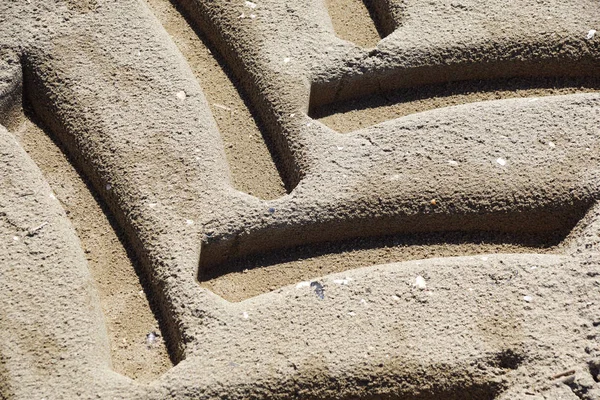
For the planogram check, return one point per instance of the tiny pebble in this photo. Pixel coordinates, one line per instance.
(420, 283)
(528, 298)
(319, 289)
(286, 60)
(108, 187)
(245, 315)
(151, 338)
(352, 314)
(591, 34)
(181, 95)
(551, 144)
(501, 161)
(189, 222)
(452, 162)
(250, 4)
(16, 238)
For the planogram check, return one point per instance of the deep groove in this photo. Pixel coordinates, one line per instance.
(249, 153)
(354, 21)
(271, 271)
(129, 309)
(351, 115)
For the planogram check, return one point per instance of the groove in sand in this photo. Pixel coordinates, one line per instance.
(127, 313)
(352, 115)
(352, 22)
(250, 161)
(260, 274)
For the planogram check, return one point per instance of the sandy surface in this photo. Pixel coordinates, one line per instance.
(251, 164)
(503, 304)
(128, 315)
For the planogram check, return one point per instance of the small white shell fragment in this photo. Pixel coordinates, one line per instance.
(152, 205)
(452, 162)
(501, 161)
(420, 283)
(551, 144)
(395, 297)
(363, 302)
(286, 60)
(150, 338)
(181, 95)
(301, 285)
(221, 106)
(52, 196)
(528, 298)
(250, 4)
(352, 314)
(252, 16)
(484, 258)
(189, 222)
(342, 281)
(591, 34)
(16, 238)
(245, 315)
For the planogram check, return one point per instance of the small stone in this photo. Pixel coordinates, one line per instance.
(453, 163)
(181, 95)
(286, 60)
(501, 161)
(151, 338)
(189, 222)
(591, 34)
(319, 289)
(551, 144)
(420, 283)
(528, 299)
